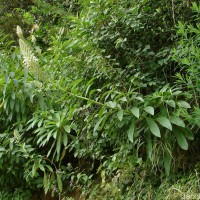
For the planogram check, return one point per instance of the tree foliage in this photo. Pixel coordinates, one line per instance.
(95, 90)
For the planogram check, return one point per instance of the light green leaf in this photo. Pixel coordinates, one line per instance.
(164, 89)
(34, 169)
(184, 104)
(58, 144)
(59, 181)
(165, 122)
(2, 149)
(131, 130)
(67, 128)
(136, 112)
(181, 139)
(149, 109)
(50, 168)
(123, 99)
(41, 167)
(120, 115)
(171, 103)
(111, 104)
(140, 99)
(153, 127)
(177, 121)
(65, 139)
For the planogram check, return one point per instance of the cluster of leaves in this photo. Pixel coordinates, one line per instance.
(91, 96)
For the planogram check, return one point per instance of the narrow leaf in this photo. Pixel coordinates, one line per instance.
(131, 130)
(65, 139)
(34, 169)
(58, 145)
(45, 183)
(120, 115)
(149, 144)
(98, 124)
(59, 181)
(167, 162)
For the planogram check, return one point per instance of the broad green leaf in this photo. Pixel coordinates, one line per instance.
(181, 139)
(111, 104)
(120, 115)
(164, 89)
(153, 127)
(167, 162)
(136, 112)
(2, 149)
(171, 103)
(59, 181)
(149, 109)
(177, 121)
(140, 99)
(131, 130)
(165, 122)
(184, 104)
(123, 99)
(67, 128)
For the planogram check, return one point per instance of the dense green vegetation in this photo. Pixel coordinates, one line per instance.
(99, 99)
